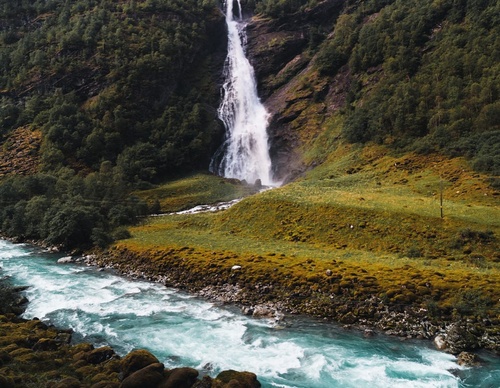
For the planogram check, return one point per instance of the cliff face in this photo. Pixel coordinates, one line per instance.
(282, 53)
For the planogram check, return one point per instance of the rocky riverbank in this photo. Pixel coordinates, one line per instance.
(35, 354)
(274, 299)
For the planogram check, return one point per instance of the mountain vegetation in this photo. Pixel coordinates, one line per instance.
(378, 109)
(125, 94)
(121, 94)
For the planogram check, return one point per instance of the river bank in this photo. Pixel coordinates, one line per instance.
(110, 310)
(35, 353)
(272, 299)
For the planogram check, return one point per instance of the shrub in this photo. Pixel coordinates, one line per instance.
(472, 302)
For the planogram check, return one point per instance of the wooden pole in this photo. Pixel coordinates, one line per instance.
(441, 197)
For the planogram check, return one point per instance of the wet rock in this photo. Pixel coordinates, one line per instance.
(147, 377)
(262, 311)
(460, 337)
(246, 310)
(135, 361)
(440, 342)
(367, 333)
(99, 355)
(180, 378)
(65, 260)
(468, 359)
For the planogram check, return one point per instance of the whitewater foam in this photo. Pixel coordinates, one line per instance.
(183, 330)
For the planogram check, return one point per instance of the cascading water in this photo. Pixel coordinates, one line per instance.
(245, 153)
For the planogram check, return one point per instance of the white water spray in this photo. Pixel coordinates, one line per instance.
(245, 153)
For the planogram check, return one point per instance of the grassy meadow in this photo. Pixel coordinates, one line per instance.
(364, 223)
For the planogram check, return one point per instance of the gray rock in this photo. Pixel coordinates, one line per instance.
(65, 260)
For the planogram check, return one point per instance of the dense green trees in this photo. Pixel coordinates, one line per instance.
(100, 76)
(66, 209)
(125, 94)
(429, 72)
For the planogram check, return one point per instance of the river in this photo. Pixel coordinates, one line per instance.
(182, 330)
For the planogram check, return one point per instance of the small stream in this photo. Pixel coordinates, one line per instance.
(181, 330)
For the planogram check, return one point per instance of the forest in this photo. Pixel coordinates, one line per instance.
(125, 95)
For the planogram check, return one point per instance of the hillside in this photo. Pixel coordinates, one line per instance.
(378, 109)
(411, 75)
(359, 240)
(126, 93)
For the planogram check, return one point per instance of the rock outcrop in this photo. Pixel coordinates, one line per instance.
(282, 54)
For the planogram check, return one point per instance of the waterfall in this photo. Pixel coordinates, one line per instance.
(245, 152)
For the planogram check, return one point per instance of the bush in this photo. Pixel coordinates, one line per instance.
(472, 302)
(329, 59)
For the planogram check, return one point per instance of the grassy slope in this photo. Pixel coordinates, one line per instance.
(370, 218)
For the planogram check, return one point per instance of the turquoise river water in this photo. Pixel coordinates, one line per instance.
(181, 330)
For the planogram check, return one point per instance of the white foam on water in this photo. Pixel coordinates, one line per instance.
(183, 330)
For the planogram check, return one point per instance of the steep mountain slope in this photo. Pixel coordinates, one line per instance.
(412, 75)
(114, 80)
(99, 98)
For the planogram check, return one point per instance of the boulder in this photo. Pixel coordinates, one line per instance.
(136, 360)
(440, 342)
(148, 377)
(468, 359)
(64, 260)
(262, 311)
(99, 355)
(106, 384)
(234, 379)
(180, 378)
(45, 344)
(205, 382)
(461, 336)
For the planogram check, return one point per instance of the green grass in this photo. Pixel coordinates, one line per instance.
(362, 214)
(195, 190)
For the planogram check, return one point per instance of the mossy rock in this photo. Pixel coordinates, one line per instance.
(83, 347)
(99, 355)
(20, 352)
(4, 357)
(148, 377)
(84, 371)
(112, 366)
(106, 384)
(136, 360)
(180, 378)
(45, 344)
(69, 382)
(244, 379)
